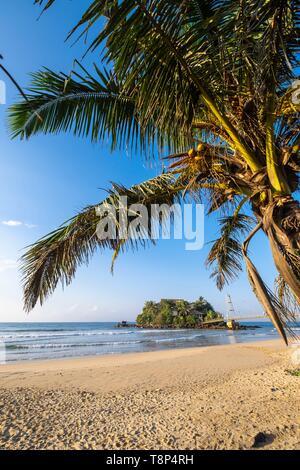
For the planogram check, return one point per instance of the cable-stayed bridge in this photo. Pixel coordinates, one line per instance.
(232, 316)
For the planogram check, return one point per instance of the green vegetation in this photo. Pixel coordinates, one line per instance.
(170, 313)
(211, 84)
(294, 373)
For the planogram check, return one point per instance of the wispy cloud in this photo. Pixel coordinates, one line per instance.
(93, 308)
(73, 307)
(12, 223)
(17, 223)
(6, 264)
(30, 225)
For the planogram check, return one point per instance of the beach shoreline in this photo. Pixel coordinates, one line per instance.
(170, 352)
(39, 341)
(215, 397)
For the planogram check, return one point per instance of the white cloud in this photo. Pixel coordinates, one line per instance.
(94, 308)
(12, 223)
(16, 223)
(6, 264)
(30, 225)
(73, 307)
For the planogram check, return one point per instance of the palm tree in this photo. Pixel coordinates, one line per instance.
(208, 83)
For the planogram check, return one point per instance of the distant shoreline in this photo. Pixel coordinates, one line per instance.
(196, 327)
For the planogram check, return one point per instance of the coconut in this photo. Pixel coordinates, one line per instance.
(192, 153)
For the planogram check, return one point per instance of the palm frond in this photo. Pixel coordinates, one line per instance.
(225, 256)
(56, 257)
(87, 105)
(286, 296)
(45, 3)
(94, 106)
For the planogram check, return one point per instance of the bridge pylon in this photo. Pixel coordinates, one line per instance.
(231, 314)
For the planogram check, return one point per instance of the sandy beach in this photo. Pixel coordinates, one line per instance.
(218, 397)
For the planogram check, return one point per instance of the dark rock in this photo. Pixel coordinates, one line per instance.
(261, 439)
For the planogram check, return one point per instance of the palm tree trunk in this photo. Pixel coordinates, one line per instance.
(281, 223)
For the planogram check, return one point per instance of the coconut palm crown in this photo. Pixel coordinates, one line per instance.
(206, 83)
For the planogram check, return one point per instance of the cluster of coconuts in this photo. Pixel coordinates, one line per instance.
(193, 153)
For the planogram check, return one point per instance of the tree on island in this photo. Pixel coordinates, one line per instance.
(202, 305)
(211, 83)
(172, 313)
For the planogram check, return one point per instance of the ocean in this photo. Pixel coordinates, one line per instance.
(30, 341)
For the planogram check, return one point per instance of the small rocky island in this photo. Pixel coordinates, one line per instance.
(179, 313)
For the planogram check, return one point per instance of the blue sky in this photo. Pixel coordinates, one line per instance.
(47, 179)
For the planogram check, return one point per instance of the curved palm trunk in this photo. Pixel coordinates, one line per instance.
(280, 221)
(265, 297)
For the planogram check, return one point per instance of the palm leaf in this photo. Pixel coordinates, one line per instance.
(94, 106)
(87, 105)
(286, 296)
(225, 256)
(47, 3)
(56, 257)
